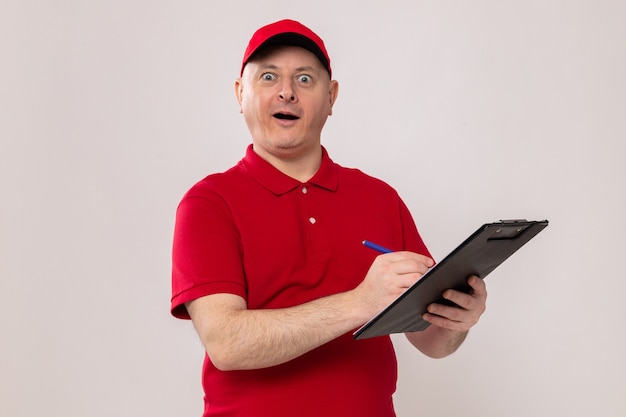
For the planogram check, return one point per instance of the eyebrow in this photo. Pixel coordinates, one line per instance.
(306, 68)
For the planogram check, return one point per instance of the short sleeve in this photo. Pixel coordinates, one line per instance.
(206, 253)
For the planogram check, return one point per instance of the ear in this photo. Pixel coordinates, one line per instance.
(239, 92)
(332, 94)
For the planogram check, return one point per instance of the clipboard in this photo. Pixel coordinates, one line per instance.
(481, 253)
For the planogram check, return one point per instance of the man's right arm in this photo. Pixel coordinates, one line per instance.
(238, 338)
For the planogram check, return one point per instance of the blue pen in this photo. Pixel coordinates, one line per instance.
(374, 246)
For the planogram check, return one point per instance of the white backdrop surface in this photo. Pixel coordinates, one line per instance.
(474, 111)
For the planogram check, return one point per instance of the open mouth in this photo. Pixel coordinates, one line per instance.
(286, 116)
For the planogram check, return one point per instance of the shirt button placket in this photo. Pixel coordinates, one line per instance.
(305, 190)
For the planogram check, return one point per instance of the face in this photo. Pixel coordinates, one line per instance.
(285, 95)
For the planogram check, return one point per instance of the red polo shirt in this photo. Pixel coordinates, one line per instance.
(257, 233)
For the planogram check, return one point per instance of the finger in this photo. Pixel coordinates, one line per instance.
(448, 312)
(475, 299)
(445, 322)
(461, 299)
(402, 256)
(452, 318)
(478, 286)
(411, 264)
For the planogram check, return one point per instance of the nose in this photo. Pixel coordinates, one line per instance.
(287, 92)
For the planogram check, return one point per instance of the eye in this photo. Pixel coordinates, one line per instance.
(305, 79)
(268, 76)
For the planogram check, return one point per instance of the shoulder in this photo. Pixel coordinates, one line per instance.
(218, 183)
(358, 178)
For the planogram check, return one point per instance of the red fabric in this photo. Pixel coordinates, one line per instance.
(257, 233)
(286, 32)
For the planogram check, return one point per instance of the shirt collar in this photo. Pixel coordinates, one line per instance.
(278, 183)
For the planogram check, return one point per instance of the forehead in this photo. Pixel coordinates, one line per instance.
(285, 56)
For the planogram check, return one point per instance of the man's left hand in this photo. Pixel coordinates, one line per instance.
(470, 306)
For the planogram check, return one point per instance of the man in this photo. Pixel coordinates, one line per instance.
(268, 261)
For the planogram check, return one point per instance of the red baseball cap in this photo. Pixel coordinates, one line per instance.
(287, 32)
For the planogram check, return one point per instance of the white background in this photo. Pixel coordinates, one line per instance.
(473, 110)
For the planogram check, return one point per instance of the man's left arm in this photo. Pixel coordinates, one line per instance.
(450, 325)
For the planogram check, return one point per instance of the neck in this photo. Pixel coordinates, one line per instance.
(301, 166)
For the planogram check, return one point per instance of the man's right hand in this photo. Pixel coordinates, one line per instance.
(389, 276)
